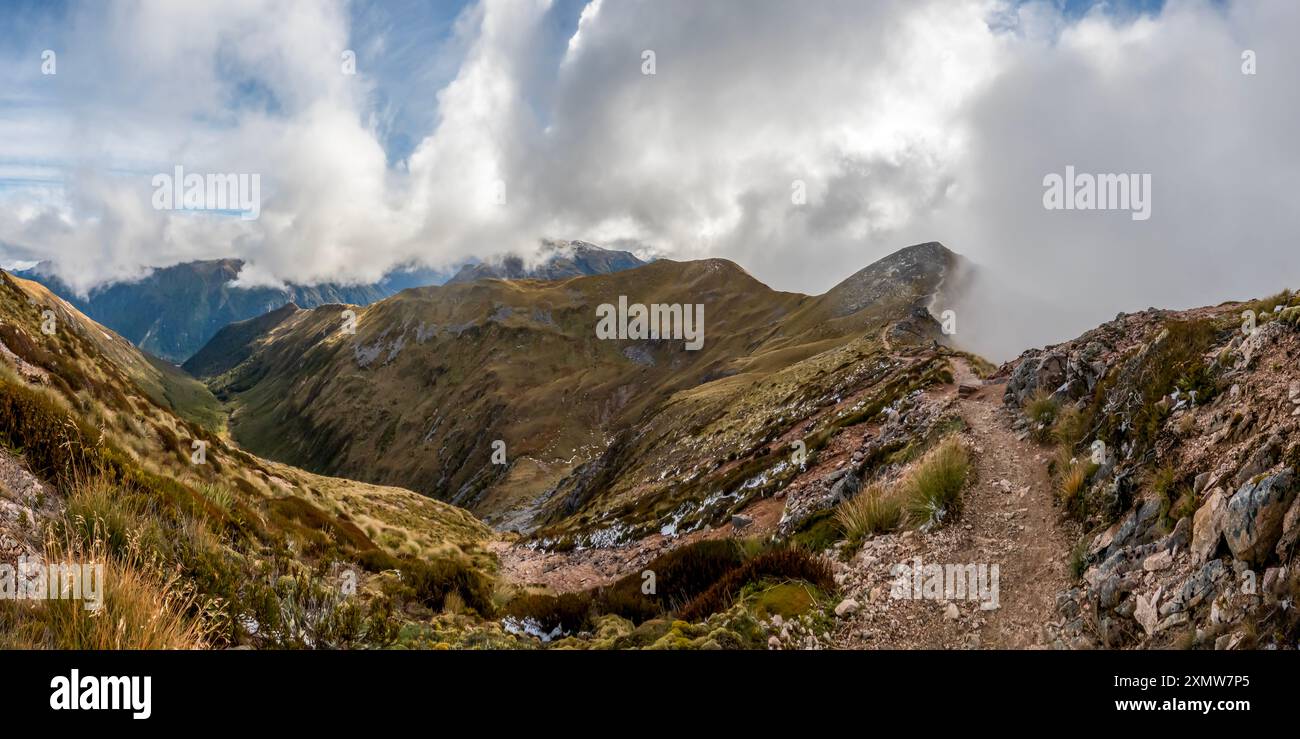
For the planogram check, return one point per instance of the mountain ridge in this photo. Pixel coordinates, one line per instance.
(472, 328)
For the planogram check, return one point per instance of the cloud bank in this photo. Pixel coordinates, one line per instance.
(802, 140)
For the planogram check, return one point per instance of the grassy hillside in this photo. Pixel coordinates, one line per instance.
(260, 547)
(434, 376)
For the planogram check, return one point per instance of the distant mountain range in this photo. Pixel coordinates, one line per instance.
(563, 259)
(175, 310)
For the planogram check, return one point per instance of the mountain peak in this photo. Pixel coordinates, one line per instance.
(915, 271)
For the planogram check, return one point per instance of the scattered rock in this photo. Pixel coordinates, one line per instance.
(1159, 561)
(847, 607)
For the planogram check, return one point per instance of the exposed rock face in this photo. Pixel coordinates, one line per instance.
(1207, 525)
(1199, 477)
(1253, 523)
(1066, 374)
(561, 260)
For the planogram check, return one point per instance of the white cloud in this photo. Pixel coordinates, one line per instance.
(907, 121)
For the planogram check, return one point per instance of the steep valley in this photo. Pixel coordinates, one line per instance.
(493, 474)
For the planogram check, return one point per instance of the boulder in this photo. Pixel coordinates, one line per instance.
(1145, 612)
(1196, 587)
(1046, 371)
(847, 607)
(845, 487)
(1254, 519)
(1207, 525)
(1181, 536)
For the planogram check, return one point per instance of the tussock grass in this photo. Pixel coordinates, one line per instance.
(141, 605)
(219, 495)
(932, 490)
(1041, 410)
(1071, 427)
(1072, 486)
(874, 510)
(1266, 305)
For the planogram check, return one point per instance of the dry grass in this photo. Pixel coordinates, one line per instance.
(139, 607)
(932, 489)
(1072, 483)
(874, 510)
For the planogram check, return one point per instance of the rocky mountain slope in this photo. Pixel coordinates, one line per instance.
(1132, 488)
(1177, 451)
(823, 472)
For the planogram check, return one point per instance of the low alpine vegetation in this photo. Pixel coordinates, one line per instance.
(932, 489)
(876, 509)
(1041, 409)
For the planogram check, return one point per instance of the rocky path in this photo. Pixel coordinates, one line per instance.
(1008, 520)
(1011, 520)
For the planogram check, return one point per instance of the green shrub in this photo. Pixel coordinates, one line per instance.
(784, 563)
(818, 532)
(430, 582)
(304, 612)
(55, 446)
